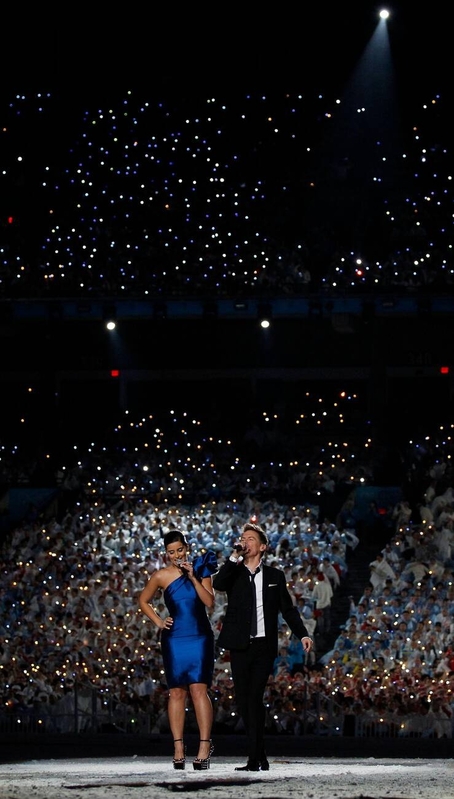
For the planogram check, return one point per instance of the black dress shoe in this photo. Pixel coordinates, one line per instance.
(264, 765)
(251, 765)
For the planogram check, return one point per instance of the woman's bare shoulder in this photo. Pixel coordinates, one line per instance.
(165, 576)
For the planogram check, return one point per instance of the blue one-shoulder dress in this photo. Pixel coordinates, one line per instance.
(188, 646)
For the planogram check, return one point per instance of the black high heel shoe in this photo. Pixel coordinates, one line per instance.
(202, 763)
(180, 762)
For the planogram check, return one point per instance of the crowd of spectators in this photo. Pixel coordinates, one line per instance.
(70, 581)
(220, 197)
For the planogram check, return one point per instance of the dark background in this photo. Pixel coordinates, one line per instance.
(224, 367)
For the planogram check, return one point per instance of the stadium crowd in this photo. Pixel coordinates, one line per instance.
(220, 197)
(165, 198)
(70, 581)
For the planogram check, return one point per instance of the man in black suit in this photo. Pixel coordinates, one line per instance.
(250, 631)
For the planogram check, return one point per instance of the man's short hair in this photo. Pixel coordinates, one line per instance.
(257, 529)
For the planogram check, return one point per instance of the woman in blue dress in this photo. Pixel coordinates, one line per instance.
(187, 640)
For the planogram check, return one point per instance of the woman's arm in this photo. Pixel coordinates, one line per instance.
(204, 587)
(208, 594)
(145, 598)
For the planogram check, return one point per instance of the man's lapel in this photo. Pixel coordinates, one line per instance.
(264, 582)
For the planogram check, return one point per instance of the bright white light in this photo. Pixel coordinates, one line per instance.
(265, 323)
(384, 14)
(110, 325)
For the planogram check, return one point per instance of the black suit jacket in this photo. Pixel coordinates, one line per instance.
(233, 578)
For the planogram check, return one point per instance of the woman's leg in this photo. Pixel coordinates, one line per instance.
(176, 710)
(204, 714)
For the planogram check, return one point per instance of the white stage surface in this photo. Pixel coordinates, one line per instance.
(137, 776)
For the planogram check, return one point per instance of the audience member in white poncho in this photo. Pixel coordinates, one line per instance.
(439, 503)
(402, 514)
(391, 556)
(322, 594)
(426, 515)
(330, 572)
(380, 571)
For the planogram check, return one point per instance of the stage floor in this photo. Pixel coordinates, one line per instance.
(311, 777)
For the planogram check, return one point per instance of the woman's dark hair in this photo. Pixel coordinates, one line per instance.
(173, 536)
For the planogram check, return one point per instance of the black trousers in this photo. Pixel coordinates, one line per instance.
(251, 669)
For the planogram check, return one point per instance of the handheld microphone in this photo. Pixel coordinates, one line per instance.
(238, 549)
